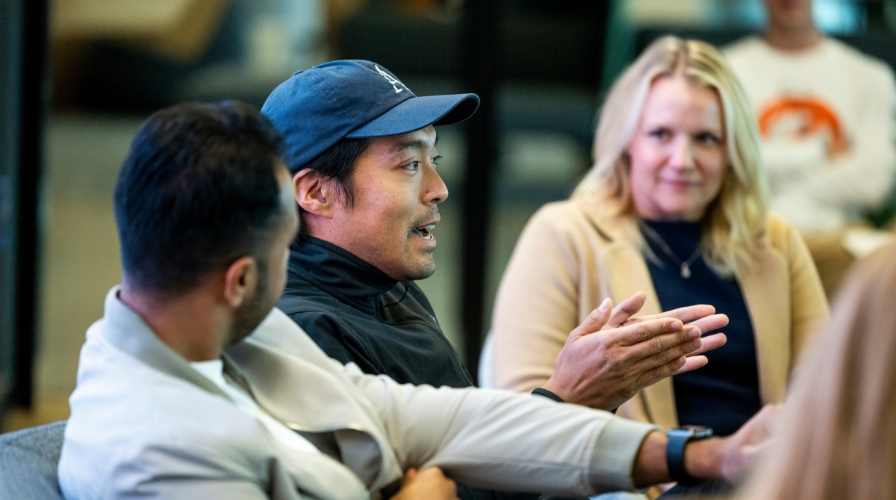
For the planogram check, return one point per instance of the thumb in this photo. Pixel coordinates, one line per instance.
(595, 321)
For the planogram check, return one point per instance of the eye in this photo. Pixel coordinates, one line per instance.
(435, 160)
(708, 139)
(412, 166)
(660, 133)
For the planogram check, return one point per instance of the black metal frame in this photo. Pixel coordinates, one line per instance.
(481, 50)
(23, 55)
(482, 55)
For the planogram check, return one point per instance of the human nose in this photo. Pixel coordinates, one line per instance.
(434, 191)
(682, 154)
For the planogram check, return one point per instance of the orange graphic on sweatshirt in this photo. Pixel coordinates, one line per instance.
(800, 117)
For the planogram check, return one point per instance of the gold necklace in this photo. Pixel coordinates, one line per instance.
(685, 265)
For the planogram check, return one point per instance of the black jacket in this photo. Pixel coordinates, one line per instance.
(354, 312)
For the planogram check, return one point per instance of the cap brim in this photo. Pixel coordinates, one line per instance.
(418, 112)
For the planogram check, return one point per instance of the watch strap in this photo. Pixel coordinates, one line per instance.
(541, 391)
(677, 441)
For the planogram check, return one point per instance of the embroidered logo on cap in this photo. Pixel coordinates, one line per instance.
(391, 79)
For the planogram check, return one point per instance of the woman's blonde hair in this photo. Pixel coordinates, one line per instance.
(734, 221)
(838, 434)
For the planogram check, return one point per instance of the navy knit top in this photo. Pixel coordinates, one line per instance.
(725, 393)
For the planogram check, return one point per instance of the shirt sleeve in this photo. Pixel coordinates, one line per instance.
(496, 439)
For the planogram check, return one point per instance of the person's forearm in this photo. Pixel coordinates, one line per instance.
(702, 459)
(650, 464)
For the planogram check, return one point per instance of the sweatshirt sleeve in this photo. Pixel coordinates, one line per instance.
(506, 441)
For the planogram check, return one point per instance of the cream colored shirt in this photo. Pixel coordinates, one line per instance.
(214, 371)
(826, 119)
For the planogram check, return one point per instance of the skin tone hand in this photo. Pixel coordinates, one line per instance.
(429, 483)
(750, 441)
(729, 458)
(611, 355)
(700, 316)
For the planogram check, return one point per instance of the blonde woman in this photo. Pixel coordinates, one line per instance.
(675, 206)
(842, 408)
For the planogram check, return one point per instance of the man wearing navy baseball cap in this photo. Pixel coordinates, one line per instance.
(362, 151)
(361, 147)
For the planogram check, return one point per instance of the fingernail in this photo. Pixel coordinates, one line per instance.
(604, 305)
(694, 332)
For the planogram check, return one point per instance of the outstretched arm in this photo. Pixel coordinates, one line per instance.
(611, 355)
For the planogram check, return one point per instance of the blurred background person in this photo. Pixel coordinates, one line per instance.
(674, 206)
(843, 401)
(826, 119)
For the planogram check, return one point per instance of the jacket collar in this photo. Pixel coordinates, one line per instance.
(338, 272)
(127, 332)
(318, 474)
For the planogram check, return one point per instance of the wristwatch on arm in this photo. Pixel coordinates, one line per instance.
(678, 439)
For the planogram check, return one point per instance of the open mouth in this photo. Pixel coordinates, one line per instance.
(425, 232)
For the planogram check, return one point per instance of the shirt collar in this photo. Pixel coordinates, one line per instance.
(127, 332)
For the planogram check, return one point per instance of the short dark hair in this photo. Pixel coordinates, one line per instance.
(337, 163)
(197, 190)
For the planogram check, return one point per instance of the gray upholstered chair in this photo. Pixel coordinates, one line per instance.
(28, 460)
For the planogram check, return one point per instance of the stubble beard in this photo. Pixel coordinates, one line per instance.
(416, 269)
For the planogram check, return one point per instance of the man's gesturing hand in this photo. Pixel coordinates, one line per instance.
(611, 355)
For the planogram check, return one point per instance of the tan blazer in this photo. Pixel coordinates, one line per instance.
(568, 259)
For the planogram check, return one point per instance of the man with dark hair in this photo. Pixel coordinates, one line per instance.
(362, 151)
(161, 411)
(243, 227)
(205, 215)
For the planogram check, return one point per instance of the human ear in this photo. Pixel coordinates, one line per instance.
(314, 193)
(240, 281)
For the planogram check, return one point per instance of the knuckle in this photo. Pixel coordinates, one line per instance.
(656, 346)
(665, 369)
(653, 375)
(643, 332)
(676, 364)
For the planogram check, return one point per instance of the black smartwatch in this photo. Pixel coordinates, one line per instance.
(678, 439)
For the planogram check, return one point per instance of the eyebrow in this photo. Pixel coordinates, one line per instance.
(413, 144)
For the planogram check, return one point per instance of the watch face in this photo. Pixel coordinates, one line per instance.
(691, 432)
(698, 431)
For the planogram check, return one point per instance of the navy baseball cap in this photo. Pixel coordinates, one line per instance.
(353, 99)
